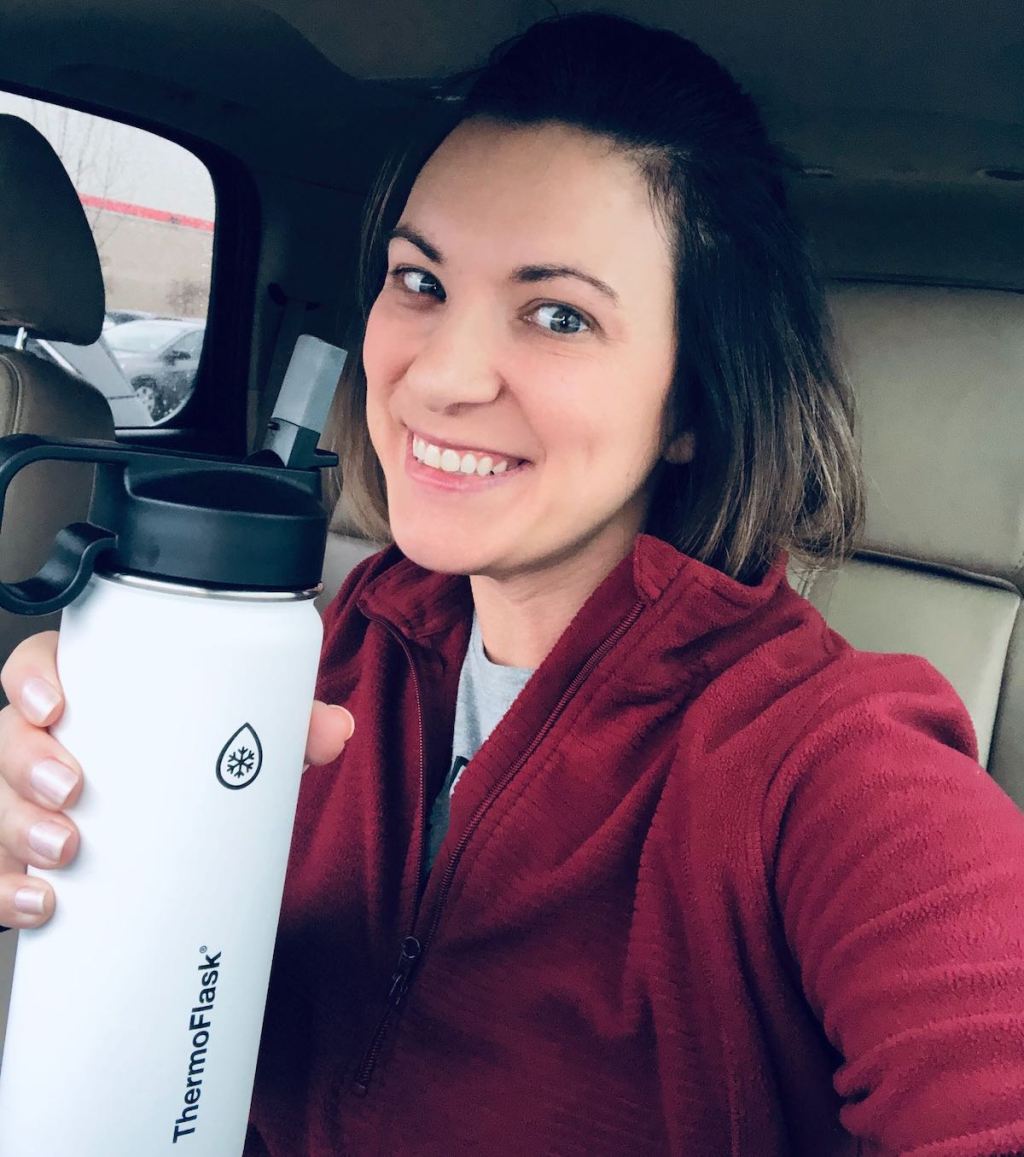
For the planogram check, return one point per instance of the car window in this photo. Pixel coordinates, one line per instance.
(190, 345)
(150, 205)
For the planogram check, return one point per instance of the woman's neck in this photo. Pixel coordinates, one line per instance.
(521, 617)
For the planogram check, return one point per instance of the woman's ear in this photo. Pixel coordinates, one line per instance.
(681, 450)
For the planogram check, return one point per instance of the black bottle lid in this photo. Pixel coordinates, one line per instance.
(210, 522)
(246, 528)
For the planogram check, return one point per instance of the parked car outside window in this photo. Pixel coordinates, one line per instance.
(119, 316)
(160, 358)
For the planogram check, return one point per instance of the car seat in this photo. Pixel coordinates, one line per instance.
(51, 286)
(939, 379)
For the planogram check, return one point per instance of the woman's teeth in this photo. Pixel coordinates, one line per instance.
(455, 461)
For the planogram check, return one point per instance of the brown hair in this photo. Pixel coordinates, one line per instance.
(776, 465)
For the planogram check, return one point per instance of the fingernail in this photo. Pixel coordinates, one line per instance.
(48, 839)
(351, 717)
(52, 780)
(38, 699)
(31, 901)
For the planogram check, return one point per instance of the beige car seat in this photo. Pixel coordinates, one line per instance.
(50, 286)
(939, 379)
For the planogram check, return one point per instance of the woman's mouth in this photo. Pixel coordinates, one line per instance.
(467, 461)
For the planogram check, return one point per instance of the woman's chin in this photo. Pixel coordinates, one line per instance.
(436, 553)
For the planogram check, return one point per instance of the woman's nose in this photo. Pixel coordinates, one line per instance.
(455, 364)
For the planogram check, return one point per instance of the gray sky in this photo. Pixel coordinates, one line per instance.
(118, 162)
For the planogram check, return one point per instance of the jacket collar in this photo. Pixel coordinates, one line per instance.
(422, 605)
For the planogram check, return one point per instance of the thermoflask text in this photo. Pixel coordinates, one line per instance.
(188, 655)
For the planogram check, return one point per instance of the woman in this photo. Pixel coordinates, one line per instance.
(628, 852)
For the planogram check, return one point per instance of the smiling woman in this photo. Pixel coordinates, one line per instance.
(653, 860)
(462, 355)
(628, 853)
(752, 381)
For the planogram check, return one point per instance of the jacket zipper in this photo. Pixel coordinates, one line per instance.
(413, 949)
(410, 949)
(409, 953)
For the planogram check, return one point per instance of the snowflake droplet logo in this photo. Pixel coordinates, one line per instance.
(240, 759)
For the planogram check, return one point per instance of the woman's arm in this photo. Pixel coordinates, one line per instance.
(899, 874)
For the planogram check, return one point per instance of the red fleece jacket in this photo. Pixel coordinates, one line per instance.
(717, 884)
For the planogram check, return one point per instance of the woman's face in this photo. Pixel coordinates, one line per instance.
(519, 357)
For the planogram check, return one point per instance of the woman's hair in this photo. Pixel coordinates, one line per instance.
(775, 464)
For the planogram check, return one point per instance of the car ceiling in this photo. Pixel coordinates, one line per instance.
(899, 107)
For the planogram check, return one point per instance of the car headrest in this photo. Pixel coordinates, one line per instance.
(50, 278)
(939, 379)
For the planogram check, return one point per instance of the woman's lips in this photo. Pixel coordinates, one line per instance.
(457, 467)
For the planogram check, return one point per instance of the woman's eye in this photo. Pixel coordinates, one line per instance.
(420, 282)
(560, 319)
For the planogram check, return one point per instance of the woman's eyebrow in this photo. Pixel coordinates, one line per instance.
(527, 274)
(524, 275)
(418, 240)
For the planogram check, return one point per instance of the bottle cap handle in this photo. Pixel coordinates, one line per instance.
(76, 547)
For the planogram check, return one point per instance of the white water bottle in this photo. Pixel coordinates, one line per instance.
(188, 655)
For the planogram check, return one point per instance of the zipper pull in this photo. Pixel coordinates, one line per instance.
(410, 953)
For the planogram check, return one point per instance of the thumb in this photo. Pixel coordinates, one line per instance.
(330, 728)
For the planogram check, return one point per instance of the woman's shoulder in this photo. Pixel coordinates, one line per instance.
(857, 737)
(784, 692)
(849, 689)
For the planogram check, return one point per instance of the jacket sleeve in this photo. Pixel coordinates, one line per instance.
(899, 875)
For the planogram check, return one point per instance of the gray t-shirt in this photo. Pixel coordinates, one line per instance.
(486, 691)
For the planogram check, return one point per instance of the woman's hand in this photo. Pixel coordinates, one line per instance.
(39, 779)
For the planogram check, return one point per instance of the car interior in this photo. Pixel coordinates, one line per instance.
(904, 126)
